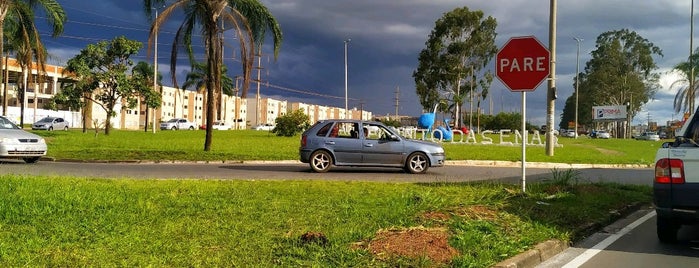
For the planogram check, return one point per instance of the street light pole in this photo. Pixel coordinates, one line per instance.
(346, 43)
(155, 69)
(577, 83)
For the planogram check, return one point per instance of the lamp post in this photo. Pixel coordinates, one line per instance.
(346, 43)
(577, 82)
(155, 69)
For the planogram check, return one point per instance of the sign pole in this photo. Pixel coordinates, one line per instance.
(524, 141)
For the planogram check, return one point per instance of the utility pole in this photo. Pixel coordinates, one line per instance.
(397, 99)
(361, 110)
(577, 82)
(551, 93)
(691, 64)
(259, 79)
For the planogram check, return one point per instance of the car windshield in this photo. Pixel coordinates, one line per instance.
(45, 120)
(172, 121)
(7, 124)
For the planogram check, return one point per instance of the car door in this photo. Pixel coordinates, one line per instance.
(378, 148)
(346, 147)
(60, 124)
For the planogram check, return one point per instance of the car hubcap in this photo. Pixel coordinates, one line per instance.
(321, 161)
(418, 163)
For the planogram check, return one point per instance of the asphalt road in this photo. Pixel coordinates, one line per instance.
(511, 173)
(622, 245)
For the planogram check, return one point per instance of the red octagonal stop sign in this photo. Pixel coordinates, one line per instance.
(522, 63)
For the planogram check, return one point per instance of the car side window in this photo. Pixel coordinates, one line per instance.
(322, 132)
(347, 130)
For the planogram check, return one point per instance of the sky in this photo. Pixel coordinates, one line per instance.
(386, 39)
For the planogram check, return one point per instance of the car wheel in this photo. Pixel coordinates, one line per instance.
(191, 128)
(417, 163)
(50, 128)
(65, 128)
(321, 161)
(31, 160)
(174, 128)
(667, 230)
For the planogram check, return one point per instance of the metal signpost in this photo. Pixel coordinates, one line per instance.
(522, 64)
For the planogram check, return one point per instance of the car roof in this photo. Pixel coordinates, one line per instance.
(350, 121)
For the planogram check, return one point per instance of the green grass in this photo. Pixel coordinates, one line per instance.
(62, 221)
(71, 222)
(261, 145)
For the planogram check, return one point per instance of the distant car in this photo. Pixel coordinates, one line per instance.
(218, 125)
(17, 143)
(568, 133)
(50, 123)
(265, 127)
(177, 123)
(602, 134)
(347, 142)
(662, 135)
(649, 136)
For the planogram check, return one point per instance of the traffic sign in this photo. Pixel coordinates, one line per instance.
(522, 63)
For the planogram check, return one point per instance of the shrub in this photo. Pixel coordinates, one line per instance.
(290, 124)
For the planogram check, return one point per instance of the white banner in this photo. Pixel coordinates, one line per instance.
(617, 112)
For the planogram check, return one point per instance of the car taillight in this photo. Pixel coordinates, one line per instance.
(669, 171)
(303, 141)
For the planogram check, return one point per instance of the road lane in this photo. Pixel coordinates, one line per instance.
(296, 170)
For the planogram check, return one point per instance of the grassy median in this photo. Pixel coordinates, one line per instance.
(262, 145)
(74, 222)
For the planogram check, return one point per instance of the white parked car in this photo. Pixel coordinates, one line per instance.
(177, 123)
(17, 143)
(649, 136)
(568, 133)
(602, 134)
(221, 125)
(265, 127)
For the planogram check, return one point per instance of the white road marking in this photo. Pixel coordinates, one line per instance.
(588, 254)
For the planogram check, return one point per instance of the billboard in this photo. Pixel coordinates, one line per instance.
(615, 112)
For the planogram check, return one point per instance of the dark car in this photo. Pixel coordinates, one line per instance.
(362, 143)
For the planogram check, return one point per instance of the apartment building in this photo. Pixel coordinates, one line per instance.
(176, 103)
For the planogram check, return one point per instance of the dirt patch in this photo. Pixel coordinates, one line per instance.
(436, 216)
(413, 243)
(608, 152)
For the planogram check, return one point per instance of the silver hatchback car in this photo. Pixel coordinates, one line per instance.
(363, 143)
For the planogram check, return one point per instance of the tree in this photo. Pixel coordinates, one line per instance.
(22, 12)
(459, 48)
(142, 75)
(250, 19)
(504, 120)
(290, 124)
(686, 96)
(100, 72)
(619, 73)
(197, 79)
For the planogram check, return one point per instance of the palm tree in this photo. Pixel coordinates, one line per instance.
(250, 19)
(197, 79)
(21, 11)
(24, 40)
(686, 94)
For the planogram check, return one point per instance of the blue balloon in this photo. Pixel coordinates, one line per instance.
(426, 121)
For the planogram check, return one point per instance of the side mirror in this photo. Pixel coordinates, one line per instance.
(666, 144)
(394, 138)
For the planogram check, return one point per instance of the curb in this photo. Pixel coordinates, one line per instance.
(494, 163)
(533, 257)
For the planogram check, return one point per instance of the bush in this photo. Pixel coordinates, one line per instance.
(290, 124)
